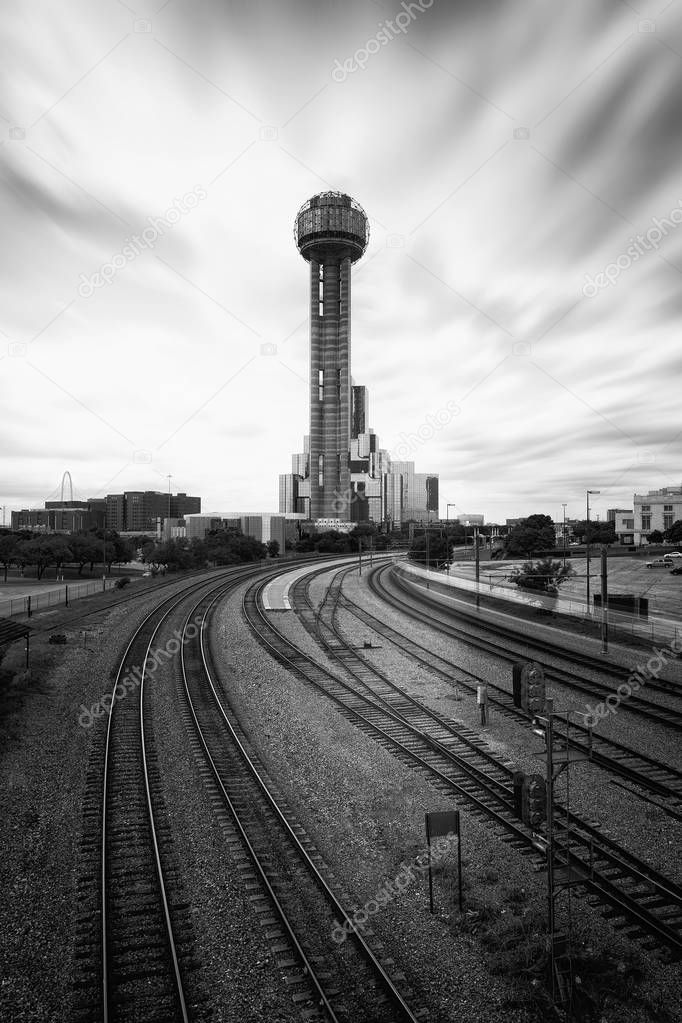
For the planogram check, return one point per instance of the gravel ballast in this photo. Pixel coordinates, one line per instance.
(362, 807)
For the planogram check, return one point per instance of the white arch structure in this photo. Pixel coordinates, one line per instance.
(67, 473)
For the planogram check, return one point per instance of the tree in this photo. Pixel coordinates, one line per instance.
(440, 550)
(535, 533)
(365, 533)
(197, 548)
(545, 575)
(61, 551)
(174, 554)
(230, 547)
(39, 552)
(85, 548)
(595, 532)
(655, 536)
(124, 549)
(9, 549)
(332, 541)
(674, 534)
(273, 548)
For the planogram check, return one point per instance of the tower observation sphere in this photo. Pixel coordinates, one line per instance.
(331, 232)
(331, 221)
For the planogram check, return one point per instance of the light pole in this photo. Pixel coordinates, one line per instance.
(447, 530)
(104, 551)
(587, 551)
(563, 505)
(169, 477)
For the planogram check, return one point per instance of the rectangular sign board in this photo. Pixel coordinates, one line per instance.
(442, 822)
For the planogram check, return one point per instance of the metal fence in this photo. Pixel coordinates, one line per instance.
(11, 607)
(654, 628)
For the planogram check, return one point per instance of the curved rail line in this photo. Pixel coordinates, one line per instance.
(668, 717)
(637, 887)
(283, 860)
(614, 757)
(140, 959)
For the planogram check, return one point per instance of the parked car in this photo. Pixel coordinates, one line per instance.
(677, 571)
(658, 563)
(672, 554)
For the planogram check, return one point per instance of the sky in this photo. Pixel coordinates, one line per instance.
(520, 168)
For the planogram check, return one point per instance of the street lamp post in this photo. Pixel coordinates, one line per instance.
(447, 531)
(104, 551)
(587, 549)
(563, 505)
(169, 477)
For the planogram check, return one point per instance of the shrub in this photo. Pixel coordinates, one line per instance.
(123, 581)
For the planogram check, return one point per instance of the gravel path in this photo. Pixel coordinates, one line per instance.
(361, 806)
(236, 971)
(43, 764)
(642, 827)
(365, 812)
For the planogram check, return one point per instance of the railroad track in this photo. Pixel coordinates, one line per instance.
(616, 758)
(667, 717)
(296, 898)
(639, 899)
(141, 974)
(61, 618)
(134, 932)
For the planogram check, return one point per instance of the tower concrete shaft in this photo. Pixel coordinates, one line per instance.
(330, 388)
(331, 233)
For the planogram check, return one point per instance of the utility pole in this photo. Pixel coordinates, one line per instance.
(604, 603)
(477, 555)
(587, 551)
(563, 505)
(563, 872)
(447, 530)
(104, 551)
(169, 476)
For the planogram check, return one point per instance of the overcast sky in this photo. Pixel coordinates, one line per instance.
(508, 156)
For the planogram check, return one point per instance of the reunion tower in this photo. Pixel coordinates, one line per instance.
(331, 232)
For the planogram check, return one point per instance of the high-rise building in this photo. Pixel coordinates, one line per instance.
(299, 464)
(288, 491)
(331, 233)
(116, 512)
(392, 486)
(138, 511)
(343, 476)
(359, 410)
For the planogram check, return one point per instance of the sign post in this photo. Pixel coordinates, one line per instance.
(444, 823)
(482, 701)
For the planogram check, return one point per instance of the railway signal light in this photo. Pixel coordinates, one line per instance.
(529, 687)
(533, 800)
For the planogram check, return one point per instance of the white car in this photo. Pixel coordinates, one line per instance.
(672, 554)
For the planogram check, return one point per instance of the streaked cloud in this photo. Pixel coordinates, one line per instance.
(502, 154)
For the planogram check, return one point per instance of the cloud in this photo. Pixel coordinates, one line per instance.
(480, 239)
